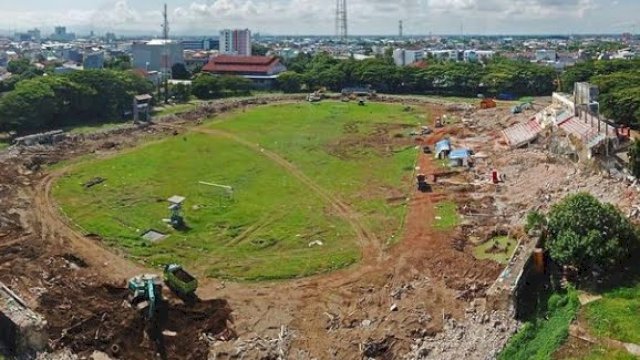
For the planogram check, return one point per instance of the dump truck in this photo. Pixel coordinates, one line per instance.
(180, 281)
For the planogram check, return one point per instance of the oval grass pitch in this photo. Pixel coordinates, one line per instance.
(299, 212)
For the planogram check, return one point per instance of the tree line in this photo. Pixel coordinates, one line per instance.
(619, 84)
(34, 102)
(498, 76)
(52, 101)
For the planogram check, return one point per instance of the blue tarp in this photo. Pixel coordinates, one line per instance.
(459, 154)
(442, 145)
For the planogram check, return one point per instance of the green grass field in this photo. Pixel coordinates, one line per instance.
(264, 230)
(616, 315)
(484, 251)
(174, 109)
(600, 353)
(447, 216)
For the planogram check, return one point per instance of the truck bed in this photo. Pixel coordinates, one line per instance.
(183, 276)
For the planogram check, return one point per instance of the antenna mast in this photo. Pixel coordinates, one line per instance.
(341, 21)
(166, 66)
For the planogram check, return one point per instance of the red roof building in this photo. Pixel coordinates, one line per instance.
(248, 66)
(262, 70)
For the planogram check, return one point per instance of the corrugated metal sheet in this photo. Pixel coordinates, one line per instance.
(460, 154)
(442, 145)
(522, 134)
(589, 135)
(241, 64)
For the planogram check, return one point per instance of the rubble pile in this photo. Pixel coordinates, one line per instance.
(257, 347)
(481, 335)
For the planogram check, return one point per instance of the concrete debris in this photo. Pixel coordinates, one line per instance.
(99, 355)
(49, 138)
(25, 329)
(93, 182)
(480, 336)
(333, 323)
(64, 354)
(373, 349)
(261, 348)
(316, 243)
(634, 212)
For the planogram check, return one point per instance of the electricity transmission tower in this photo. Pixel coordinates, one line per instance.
(341, 21)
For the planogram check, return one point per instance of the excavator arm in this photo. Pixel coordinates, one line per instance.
(151, 297)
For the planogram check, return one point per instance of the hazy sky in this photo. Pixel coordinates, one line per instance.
(317, 16)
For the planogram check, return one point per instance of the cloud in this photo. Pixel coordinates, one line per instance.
(525, 9)
(317, 16)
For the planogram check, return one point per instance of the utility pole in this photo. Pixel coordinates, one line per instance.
(166, 66)
(341, 21)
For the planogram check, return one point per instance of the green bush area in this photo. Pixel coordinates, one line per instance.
(540, 337)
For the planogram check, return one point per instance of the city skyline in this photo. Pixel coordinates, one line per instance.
(308, 17)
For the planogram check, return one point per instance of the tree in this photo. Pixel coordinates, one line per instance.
(17, 67)
(113, 92)
(536, 221)
(259, 50)
(236, 85)
(43, 102)
(622, 105)
(121, 62)
(206, 87)
(179, 72)
(27, 107)
(584, 233)
(634, 158)
(46, 102)
(290, 82)
(181, 92)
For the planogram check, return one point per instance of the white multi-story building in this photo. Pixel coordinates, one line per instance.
(546, 55)
(477, 55)
(235, 42)
(451, 55)
(156, 55)
(404, 57)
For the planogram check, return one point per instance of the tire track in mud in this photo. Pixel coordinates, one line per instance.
(60, 232)
(371, 247)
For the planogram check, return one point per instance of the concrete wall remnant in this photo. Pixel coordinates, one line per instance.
(46, 138)
(22, 330)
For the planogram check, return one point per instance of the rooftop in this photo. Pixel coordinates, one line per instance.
(157, 42)
(241, 64)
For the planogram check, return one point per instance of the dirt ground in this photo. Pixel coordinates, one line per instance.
(409, 300)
